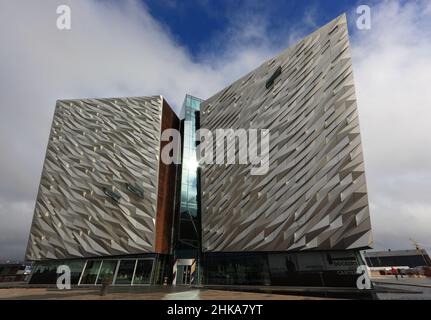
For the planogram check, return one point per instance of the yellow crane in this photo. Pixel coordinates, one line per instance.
(416, 244)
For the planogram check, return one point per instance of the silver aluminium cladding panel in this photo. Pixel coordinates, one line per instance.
(314, 196)
(99, 151)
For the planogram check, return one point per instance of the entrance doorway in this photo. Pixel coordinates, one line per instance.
(183, 271)
(184, 275)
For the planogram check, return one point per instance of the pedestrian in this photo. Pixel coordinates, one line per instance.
(394, 272)
(105, 285)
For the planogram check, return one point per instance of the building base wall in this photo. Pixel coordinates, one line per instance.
(312, 268)
(299, 269)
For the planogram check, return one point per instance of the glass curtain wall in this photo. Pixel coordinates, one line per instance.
(318, 269)
(188, 230)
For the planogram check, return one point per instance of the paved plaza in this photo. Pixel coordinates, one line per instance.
(141, 294)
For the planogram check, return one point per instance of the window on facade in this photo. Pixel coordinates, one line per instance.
(143, 272)
(107, 271)
(91, 271)
(274, 76)
(125, 272)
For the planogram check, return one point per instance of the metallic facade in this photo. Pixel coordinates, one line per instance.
(99, 189)
(314, 196)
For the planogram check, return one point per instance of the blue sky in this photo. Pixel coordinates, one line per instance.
(152, 47)
(197, 24)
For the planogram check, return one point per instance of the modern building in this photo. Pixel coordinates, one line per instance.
(110, 209)
(106, 200)
(306, 218)
(14, 272)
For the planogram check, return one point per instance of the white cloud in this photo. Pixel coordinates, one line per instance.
(392, 66)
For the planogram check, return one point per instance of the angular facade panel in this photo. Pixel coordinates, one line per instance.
(314, 196)
(100, 192)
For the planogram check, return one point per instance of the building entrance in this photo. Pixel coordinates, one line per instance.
(184, 270)
(184, 275)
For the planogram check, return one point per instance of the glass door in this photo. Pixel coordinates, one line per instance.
(184, 274)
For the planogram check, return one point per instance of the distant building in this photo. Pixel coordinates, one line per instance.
(14, 272)
(405, 258)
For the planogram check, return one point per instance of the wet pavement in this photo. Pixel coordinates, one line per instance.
(387, 288)
(149, 293)
(413, 288)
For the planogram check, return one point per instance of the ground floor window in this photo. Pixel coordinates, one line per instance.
(237, 268)
(143, 272)
(118, 272)
(107, 271)
(45, 272)
(125, 272)
(136, 270)
(91, 271)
